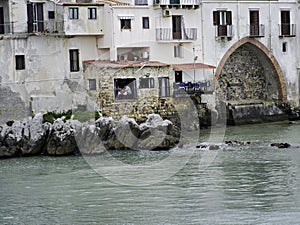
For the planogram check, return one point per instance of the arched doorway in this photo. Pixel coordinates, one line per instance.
(248, 72)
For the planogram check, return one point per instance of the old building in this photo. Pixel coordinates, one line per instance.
(53, 51)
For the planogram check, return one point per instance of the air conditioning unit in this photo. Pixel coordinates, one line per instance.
(167, 13)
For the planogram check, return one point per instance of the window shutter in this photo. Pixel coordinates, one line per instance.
(216, 18)
(228, 18)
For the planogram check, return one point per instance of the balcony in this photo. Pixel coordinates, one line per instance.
(141, 2)
(177, 3)
(6, 28)
(224, 31)
(287, 30)
(191, 88)
(169, 34)
(46, 26)
(256, 30)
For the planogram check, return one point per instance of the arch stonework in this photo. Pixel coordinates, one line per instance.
(280, 79)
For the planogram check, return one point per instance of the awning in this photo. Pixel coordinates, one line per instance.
(126, 17)
(191, 66)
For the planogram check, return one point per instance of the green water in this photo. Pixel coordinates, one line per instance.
(251, 184)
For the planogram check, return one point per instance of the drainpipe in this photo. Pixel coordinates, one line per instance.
(270, 28)
(238, 16)
(113, 33)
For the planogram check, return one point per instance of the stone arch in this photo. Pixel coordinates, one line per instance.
(264, 55)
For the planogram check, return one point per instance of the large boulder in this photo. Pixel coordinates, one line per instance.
(35, 135)
(11, 140)
(61, 139)
(89, 140)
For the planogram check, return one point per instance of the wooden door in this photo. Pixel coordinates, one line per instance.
(254, 23)
(285, 23)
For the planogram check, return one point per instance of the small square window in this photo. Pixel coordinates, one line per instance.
(125, 24)
(284, 47)
(146, 23)
(51, 15)
(73, 13)
(20, 62)
(92, 84)
(92, 13)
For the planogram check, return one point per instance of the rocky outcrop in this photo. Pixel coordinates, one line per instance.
(155, 133)
(73, 137)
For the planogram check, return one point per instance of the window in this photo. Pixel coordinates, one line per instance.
(51, 15)
(20, 62)
(178, 76)
(285, 22)
(178, 51)
(92, 13)
(74, 60)
(125, 24)
(146, 23)
(164, 87)
(73, 13)
(125, 88)
(146, 82)
(92, 84)
(284, 47)
(223, 21)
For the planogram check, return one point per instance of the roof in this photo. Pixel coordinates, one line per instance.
(125, 64)
(191, 66)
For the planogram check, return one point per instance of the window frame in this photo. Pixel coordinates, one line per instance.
(178, 51)
(92, 13)
(124, 25)
(74, 60)
(74, 13)
(120, 83)
(146, 22)
(146, 83)
(52, 13)
(92, 84)
(20, 62)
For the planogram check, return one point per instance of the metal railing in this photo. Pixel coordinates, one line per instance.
(6, 28)
(224, 31)
(256, 30)
(47, 26)
(168, 34)
(141, 2)
(287, 29)
(177, 2)
(198, 87)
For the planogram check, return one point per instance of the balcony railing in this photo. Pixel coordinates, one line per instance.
(256, 30)
(287, 29)
(191, 88)
(176, 2)
(141, 2)
(6, 28)
(224, 31)
(46, 26)
(169, 34)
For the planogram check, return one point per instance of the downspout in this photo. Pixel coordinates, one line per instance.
(270, 29)
(238, 16)
(113, 33)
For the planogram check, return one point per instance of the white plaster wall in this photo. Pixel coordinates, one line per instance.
(83, 25)
(214, 49)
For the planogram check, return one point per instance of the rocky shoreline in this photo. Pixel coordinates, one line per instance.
(71, 137)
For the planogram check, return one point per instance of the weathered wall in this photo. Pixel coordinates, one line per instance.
(245, 77)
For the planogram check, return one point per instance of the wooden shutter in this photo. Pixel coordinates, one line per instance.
(216, 18)
(30, 17)
(228, 18)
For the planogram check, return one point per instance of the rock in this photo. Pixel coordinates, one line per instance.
(62, 138)
(106, 125)
(281, 145)
(35, 135)
(88, 139)
(11, 140)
